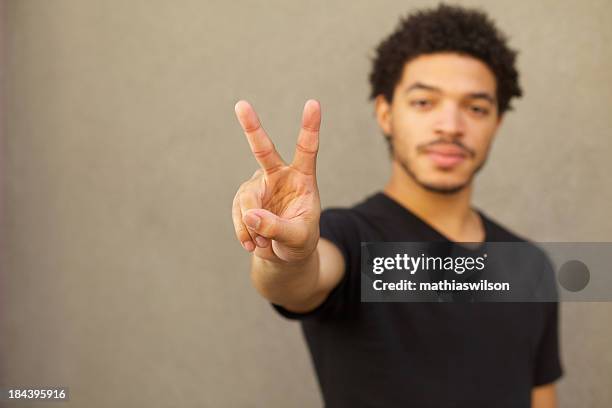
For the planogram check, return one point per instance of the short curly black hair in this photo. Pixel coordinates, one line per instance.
(446, 29)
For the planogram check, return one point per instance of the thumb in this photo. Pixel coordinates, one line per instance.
(271, 226)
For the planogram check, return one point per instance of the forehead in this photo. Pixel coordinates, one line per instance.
(453, 73)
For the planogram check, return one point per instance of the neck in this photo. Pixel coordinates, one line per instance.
(450, 214)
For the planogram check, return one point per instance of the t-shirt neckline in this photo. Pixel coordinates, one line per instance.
(439, 236)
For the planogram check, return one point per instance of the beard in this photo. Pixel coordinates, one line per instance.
(436, 188)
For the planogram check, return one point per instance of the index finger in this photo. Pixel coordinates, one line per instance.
(262, 147)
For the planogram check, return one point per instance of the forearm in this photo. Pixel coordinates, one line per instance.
(295, 286)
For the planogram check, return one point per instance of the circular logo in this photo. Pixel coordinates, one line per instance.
(574, 275)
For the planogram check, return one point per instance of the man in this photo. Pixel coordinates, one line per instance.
(441, 84)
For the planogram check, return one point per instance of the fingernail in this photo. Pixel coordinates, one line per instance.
(248, 245)
(252, 220)
(261, 241)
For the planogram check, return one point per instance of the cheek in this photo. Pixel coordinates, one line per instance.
(482, 140)
(408, 130)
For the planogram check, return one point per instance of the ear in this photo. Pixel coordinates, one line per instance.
(383, 114)
(500, 118)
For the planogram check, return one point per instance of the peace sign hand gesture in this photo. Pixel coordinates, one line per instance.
(276, 213)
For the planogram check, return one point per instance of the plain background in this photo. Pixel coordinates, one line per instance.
(122, 278)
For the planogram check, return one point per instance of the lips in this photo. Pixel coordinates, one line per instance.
(446, 156)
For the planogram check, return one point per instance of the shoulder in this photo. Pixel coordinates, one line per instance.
(362, 213)
(341, 224)
(347, 227)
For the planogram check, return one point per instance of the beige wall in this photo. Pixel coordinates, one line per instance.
(122, 278)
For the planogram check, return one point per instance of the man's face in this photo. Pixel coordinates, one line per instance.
(442, 119)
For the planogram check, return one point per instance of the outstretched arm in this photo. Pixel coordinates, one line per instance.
(276, 217)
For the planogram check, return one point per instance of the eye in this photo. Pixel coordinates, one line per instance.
(421, 103)
(478, 110)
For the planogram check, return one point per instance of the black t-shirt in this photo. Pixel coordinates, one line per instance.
(422, 354)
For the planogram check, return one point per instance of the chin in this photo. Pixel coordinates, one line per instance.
(437, 180)
(448, 186)
(443, 189)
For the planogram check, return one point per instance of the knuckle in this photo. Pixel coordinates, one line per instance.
(241, 189)
(245, 190)
(253, 128)
(310, 129)
(248, 194)
(306, 150)
(274, 169)
(250, 186)
(261, 154)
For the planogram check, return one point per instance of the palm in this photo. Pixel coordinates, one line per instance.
(286, 196)
(289, 193)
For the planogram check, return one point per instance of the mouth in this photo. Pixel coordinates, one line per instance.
(446, 157)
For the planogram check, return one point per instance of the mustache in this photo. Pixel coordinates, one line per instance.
(468, 151)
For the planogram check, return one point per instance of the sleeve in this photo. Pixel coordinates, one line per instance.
(337, 227)
(547, 364)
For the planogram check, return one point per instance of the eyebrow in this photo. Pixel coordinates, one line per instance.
(473, 95)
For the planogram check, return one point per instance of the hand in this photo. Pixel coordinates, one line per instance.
(276, 213)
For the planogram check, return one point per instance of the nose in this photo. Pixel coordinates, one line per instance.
(449, 121)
